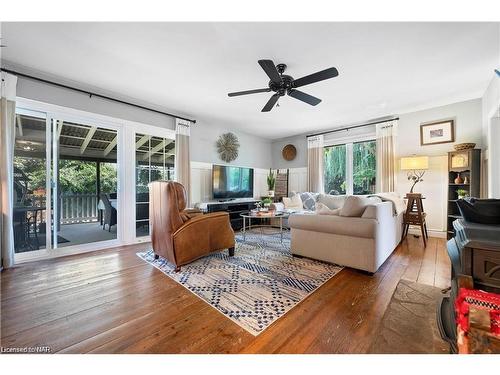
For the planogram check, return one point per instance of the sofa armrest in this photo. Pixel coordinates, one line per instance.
(379, 211)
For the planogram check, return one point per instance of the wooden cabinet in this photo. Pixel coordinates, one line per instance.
(464, 168)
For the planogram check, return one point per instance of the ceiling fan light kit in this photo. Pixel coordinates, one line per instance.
(283, 84)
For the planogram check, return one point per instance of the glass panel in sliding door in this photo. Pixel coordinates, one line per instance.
(30, 171)
(154, 161)
(85, 184)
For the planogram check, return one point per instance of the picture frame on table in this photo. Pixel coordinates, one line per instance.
(437, 132)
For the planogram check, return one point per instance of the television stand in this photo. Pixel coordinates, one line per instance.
(234, 207)
(226, 200)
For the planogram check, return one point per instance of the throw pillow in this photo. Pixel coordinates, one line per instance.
(293, 203)
(354, 206)
(322, 209)
(309, 200)
(332, 201)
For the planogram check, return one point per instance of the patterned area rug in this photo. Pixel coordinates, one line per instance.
(257, 286)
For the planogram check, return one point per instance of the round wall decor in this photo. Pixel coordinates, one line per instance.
(227, 147)
(289, 152)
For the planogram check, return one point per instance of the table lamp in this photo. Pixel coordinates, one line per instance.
(416, 167)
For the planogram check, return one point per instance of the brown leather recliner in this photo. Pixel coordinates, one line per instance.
(181, 235)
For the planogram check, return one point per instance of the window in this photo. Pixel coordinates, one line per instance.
(350, 168)
(335, 169)
(364, 167)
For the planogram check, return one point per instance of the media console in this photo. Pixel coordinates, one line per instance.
(234, 208)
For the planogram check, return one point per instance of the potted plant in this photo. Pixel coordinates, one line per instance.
(271, 181)
(266, 202)
(462, 193)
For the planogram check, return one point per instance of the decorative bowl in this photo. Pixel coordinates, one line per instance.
(464, 146)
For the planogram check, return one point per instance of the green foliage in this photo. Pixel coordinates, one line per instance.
(364, 168)
(271, 180)
(334, 161)
(75, 176)
(462, 192)
(267, 201)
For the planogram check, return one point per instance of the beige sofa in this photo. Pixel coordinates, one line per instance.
(358, 242)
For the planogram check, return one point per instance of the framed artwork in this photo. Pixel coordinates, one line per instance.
(437, 132)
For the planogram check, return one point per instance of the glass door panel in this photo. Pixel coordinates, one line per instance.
(30, 183)
(84, 183)
(154, 161)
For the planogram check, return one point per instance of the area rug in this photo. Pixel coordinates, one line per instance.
(257, 286)
(409, 324)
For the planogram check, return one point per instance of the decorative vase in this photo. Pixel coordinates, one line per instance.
(459, 179)
(466, 180)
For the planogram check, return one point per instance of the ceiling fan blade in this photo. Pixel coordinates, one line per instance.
(270, 103)
(306, 98)
(316, 77)
(270, 70)
(248, 92)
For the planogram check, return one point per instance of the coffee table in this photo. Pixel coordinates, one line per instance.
(272, 215)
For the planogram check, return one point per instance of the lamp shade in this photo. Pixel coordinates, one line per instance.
(411, 163)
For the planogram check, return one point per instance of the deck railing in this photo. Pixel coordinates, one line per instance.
(78, 208)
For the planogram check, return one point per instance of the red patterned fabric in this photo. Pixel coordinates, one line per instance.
(480, 300)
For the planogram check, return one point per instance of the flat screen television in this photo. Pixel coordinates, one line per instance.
(232, 182)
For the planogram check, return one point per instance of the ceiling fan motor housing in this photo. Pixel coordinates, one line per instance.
(286, 83)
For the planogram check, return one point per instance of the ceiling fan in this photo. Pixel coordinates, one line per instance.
(283, 84)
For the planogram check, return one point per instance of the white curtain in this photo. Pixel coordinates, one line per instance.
(182, 164)
(7, 139)
(315, 164)
(386, 156)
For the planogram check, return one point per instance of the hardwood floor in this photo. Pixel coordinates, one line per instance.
(113, 302)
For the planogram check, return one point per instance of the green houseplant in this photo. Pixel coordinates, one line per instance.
(271, 181)
(462, 193)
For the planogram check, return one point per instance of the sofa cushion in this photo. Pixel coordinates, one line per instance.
(332, 201)
(347, 226)
(354, 205)
(322, 209)
(308, 200)
(293, 203)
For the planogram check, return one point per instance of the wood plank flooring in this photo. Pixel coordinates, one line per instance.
(113, 302)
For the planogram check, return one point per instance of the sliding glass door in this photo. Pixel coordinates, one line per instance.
(65, 183)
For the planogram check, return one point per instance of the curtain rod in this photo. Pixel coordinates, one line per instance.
(91, 94)
(352, 127)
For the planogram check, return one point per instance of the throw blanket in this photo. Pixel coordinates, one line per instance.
(398, 204)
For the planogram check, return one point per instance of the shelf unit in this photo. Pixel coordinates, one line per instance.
(467, 163)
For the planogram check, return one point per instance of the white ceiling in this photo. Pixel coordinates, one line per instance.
(385, 68)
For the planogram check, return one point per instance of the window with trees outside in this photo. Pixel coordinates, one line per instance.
(350, 168)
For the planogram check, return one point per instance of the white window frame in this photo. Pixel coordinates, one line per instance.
(349, 157)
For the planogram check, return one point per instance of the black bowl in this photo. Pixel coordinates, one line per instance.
(482, 211)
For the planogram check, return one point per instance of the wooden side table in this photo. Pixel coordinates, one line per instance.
(415, 215)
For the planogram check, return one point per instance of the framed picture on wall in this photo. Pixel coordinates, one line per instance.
(437, 132)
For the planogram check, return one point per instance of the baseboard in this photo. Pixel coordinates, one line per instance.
(432, 232)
